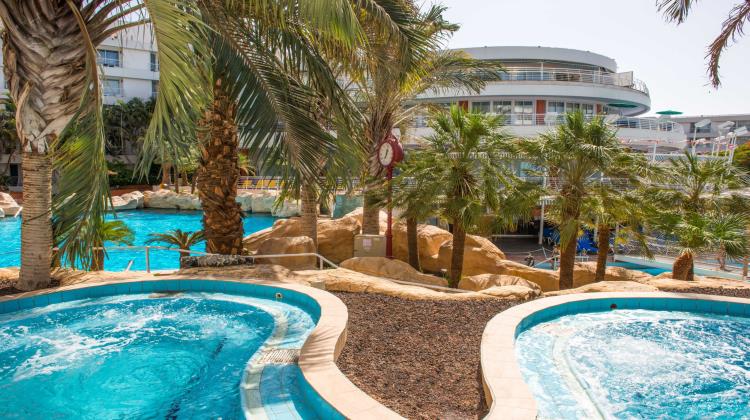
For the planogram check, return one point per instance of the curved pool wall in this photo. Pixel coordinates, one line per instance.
(506, 391)
(273, 377)
(142, 222)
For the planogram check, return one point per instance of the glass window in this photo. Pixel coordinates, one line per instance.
(108, 58)
(523, 113)
(588, 109)
(502, 107)
(112, 87)
(572, 107)
(480, 107)
(154, 62)
(154, 88)
(556, 107)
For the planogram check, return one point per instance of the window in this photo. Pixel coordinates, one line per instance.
(154, 88)
(502, 107)
(154, 62)
(555, 107)
(108, 58)
(588, 109)
(572, 107)
(523, 113)
(112, 87)
(480, 107)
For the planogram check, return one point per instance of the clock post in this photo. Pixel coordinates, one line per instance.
(390, 153)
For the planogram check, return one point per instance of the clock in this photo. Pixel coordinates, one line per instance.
(386, 153)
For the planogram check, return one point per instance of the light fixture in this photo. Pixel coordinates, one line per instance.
(726, 125)
(742, 131)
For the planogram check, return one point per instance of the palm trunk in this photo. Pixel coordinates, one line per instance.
(185, 181)
(683, 267)
(218, 176)
(457, 256)
(601, 257)
(43, 67)
(567, 263)
(370, 216)
(745, 265)
(166, 173)
(98, 263)
(309, 220)
(36, 225)
(413, 242)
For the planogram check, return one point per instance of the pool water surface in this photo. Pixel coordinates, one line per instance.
(637, 363)
(142, 223)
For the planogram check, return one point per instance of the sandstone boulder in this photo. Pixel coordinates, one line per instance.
(512, 292)
(357, 214)
(485, 281)
(263, 201)
(281, 229)
(129, 201)
(288, 245)
(394, 269)
(8, 204)
(287, 209)
(2, 213)
(136, 196)
(245, 200)
(429, 240)
(336, 238)
(481, 256)
(167, 199)
(585, 272)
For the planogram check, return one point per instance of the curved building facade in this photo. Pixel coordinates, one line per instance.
(542, 84)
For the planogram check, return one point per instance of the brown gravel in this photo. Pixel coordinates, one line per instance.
(741, 293)
(419, 358)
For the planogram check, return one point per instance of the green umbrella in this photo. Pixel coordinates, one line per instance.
(669, 112)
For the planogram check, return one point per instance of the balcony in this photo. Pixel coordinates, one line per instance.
(540, 74)
(638, 133)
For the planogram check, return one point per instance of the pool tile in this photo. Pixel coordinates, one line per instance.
(55, 298)
(41, 300)
(136, 287)
(25, 303)
(122, 289)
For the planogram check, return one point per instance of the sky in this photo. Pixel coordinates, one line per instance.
(669, 58)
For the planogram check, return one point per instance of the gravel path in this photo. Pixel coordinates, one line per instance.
(419, 358)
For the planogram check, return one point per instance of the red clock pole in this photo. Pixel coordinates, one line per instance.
(388, 230)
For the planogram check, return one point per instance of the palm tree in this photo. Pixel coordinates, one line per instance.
(116, 232)
(62, 124)
(731, 29)
(575, 157)
(463, 167)
(388, 80)
(607, 208)
(182, 240)
(703, 232)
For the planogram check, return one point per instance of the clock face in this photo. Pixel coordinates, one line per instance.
(385, 154)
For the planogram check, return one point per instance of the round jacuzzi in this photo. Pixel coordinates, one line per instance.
(661, 356)
(158, 349)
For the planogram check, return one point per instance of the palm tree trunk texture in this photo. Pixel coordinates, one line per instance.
(412, 242)
(309, 220)
(44, 69)
(602, 242)
(370, 216)
(567, 263)
(682, 268)
(457, 256)
(36, 225)
(218, 175)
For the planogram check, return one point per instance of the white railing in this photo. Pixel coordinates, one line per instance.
(555, 119)
(543, 74)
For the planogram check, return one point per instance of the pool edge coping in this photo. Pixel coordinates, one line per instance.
(317, 359)
(505, 390)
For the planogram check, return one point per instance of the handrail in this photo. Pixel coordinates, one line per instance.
(545, 74)
(553, 119)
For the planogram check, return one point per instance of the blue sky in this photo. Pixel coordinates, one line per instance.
(669, 58)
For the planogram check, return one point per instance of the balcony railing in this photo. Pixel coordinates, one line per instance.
(625, 80)
(553, 119)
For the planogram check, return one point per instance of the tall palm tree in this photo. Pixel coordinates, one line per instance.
(116, 232)
(463, 167)
(59, 116)
(182, 240)
(388, 79)
(575, 157)
(731, 29)
(60, 111)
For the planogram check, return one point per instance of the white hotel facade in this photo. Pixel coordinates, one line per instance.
(542, 84)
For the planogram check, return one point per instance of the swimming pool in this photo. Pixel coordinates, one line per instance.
(691, 359)
(142, 350)
(142, 223)
(654, 271)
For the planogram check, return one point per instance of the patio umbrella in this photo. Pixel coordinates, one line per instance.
(669, 112)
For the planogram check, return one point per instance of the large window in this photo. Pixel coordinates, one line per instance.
(480, 107)
(112, 87)
(523, 113)
(556, 107)
(588, 109)
(572, 107)
(502, 107)
(108, 58)
(154, 88)
(154, 62)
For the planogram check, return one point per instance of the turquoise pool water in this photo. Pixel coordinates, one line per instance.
(654, 271)
(639, 364)
(142, 223)
(195, 354)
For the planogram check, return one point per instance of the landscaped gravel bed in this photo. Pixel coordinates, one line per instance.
(741, 293)
(419, 358)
